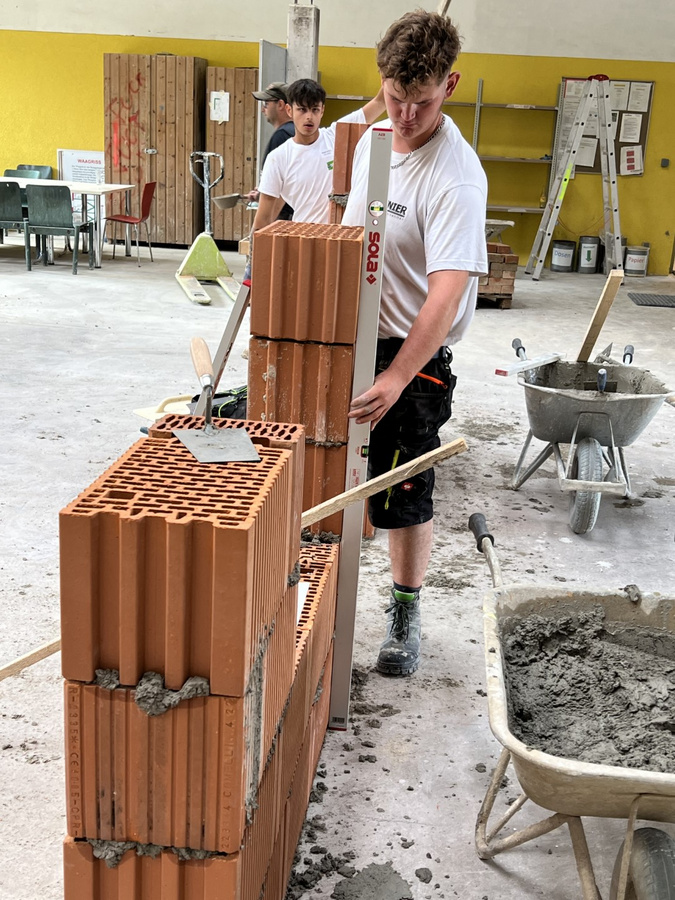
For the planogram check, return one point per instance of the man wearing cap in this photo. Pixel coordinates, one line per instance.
(274, 106)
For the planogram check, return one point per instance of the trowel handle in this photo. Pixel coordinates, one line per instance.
(602, 380)
(628, 353)
(517, 345)
(201, 360)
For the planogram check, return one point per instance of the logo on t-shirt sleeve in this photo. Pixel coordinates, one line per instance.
(330, 165)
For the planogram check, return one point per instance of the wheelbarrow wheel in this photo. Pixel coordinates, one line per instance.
(584, 505)
(651, 871)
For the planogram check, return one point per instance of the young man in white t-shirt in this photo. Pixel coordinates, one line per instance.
(300, 172)
(435, 250)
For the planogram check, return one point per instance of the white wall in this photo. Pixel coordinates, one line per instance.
(621, 29)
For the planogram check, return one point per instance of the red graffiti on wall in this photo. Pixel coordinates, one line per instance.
(126, 128)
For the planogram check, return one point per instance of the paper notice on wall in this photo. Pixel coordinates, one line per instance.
(219, 107)
(638, 99)
(618, 94)
(592, 127)
(631, 161)
(588, 147)
(613, 125)
(83, 167)
(631, 125)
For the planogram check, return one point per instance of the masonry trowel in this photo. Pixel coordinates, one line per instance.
(209, 445)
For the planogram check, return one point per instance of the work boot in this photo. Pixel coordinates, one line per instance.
(400, 652)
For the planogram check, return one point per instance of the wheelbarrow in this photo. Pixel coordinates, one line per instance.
(568, 788)
(597, 408)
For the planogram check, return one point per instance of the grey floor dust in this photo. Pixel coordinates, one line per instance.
(396, 796)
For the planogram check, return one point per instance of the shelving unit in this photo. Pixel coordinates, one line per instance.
(479, 106)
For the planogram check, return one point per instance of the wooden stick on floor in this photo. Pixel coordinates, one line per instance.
(29, 659)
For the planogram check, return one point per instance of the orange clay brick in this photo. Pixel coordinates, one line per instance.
(280, 436)
(318, 570)
(347, 136)
(306, 383)
(165, 877)
(175, 567)
(187, 777)
(325, 472)
(305, 282)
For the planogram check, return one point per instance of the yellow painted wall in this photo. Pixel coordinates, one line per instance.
(52, 97)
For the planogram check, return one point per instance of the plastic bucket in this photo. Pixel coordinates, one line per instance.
(562, 256)
(587, 260)
(636, 261)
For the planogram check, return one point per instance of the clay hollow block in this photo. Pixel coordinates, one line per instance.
(174, 567)
(185, 778)
(347, 136)
(305, 282)
(164, 875)
(278, 435)
(318, 586)
(306, 383)
(325, 473)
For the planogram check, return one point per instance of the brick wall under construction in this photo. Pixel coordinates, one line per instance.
(304, 316)
(197, 684)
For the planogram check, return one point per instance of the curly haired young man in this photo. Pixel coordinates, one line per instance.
(434, 252)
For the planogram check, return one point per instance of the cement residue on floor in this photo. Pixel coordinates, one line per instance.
(585, 689)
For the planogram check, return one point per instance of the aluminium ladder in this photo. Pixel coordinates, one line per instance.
(596, 91)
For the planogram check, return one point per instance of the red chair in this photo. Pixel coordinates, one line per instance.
(146, 203)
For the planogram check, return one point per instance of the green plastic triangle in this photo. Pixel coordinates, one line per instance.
(204, 261)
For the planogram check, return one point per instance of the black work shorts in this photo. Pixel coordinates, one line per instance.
(408, 430)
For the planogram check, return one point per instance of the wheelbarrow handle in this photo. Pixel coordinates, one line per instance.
(485, 542)
(517, 345)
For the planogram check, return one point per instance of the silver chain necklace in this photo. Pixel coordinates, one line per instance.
(428, 140)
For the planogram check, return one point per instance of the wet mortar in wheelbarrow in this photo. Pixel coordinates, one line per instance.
(531, 626)
(565, 405)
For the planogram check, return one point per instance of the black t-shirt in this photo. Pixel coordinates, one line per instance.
(280, 136)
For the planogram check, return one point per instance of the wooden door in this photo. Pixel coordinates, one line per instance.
(127, 92)
(154, 119)
(235, 140)
(178, 88)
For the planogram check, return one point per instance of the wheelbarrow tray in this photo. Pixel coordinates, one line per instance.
(559, 784)
(556, 402)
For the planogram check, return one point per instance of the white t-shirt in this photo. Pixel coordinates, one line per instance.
(303, 173)
(435, 221)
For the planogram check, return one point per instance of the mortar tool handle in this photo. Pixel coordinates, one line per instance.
(201, 360)
(518, 347)
(628, 353)
(485, 542)
(602, 380)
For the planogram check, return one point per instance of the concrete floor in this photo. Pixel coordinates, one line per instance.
(79, 354)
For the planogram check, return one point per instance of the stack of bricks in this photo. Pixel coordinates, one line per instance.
(196, 693)
(304, 312)
(347, 136)
(499, 283)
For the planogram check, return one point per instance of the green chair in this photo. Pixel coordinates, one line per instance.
(44, 171)
(22, 173)
(11, 208)
(50, 211)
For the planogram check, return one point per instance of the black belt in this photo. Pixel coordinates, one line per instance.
(392, 345)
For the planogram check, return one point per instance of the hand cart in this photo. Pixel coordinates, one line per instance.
(570, 789)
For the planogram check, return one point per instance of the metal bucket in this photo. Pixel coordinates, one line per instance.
(556, 398)
(636, 261)
(587, 259)
(562, 256)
